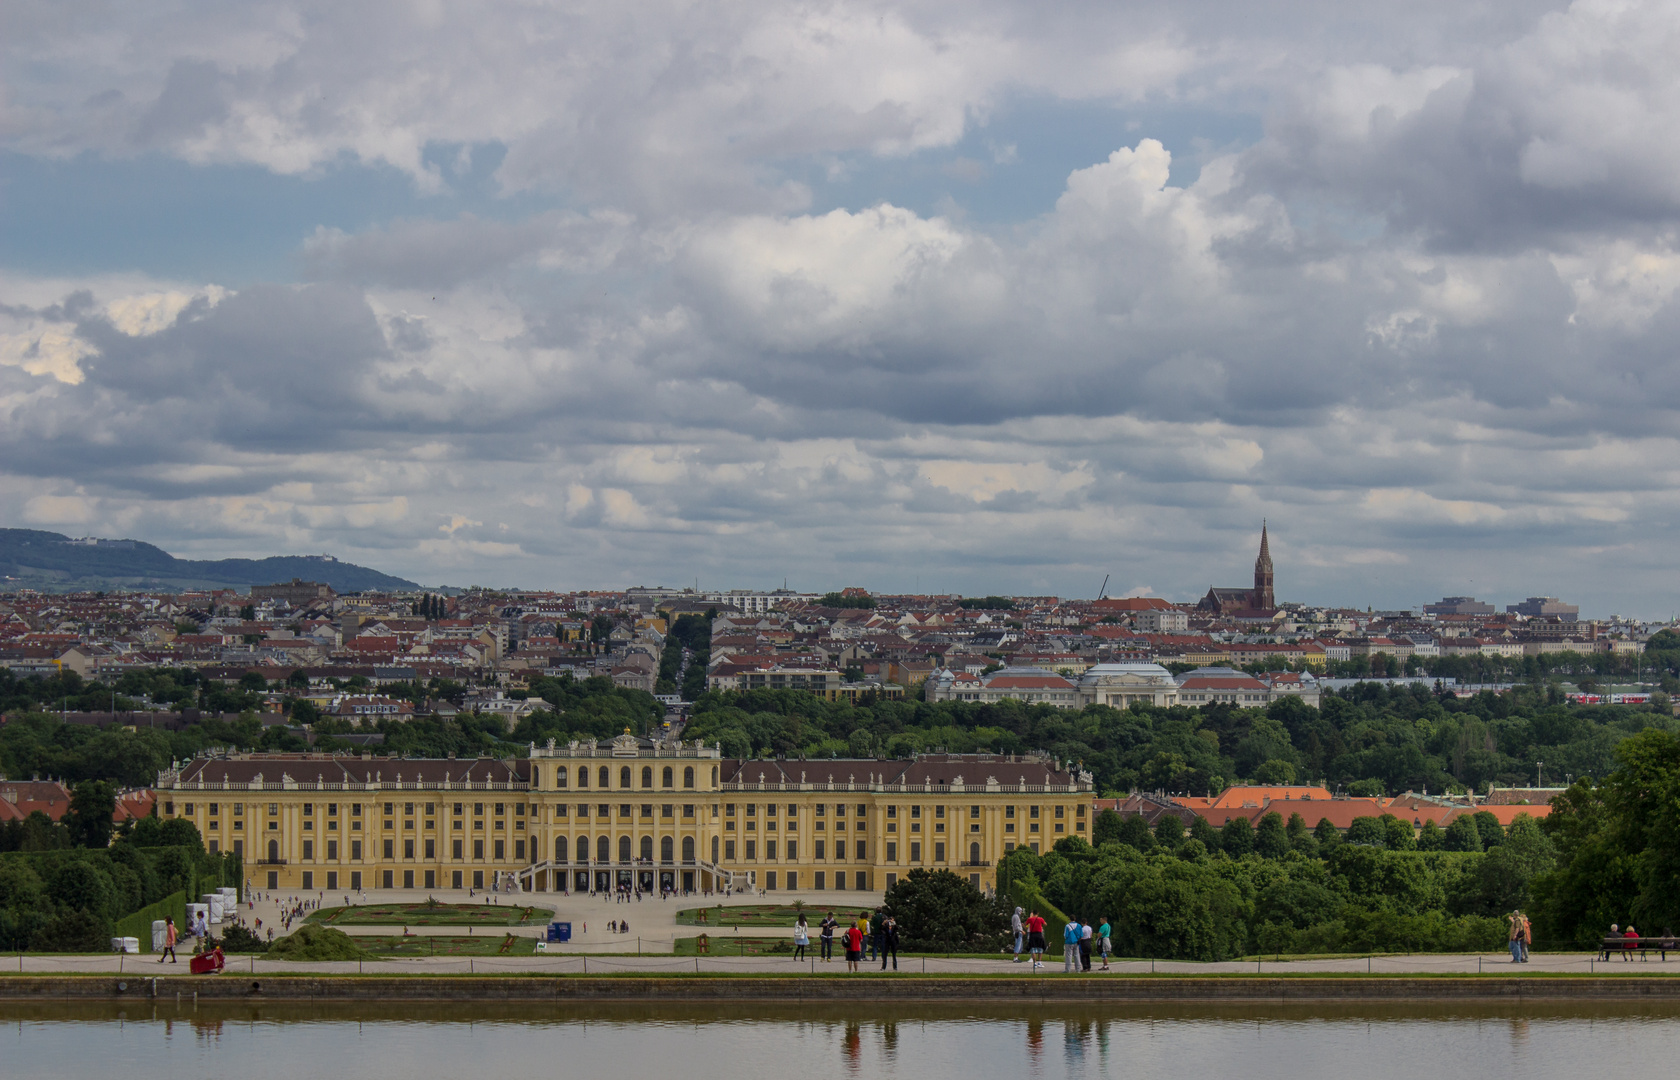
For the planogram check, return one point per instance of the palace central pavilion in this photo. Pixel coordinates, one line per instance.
(621, 814)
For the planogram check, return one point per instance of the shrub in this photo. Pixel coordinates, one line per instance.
(312, 942)
(72, 931)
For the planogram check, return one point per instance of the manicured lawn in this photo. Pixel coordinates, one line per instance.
(780, 916)
(430, 915)
(463, 945)
(738, 946)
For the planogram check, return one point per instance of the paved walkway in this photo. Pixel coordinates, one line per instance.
(653, 922)
(573, 962)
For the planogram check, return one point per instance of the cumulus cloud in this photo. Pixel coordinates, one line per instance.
(1423, 323)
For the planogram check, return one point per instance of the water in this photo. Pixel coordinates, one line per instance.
(287, 1042)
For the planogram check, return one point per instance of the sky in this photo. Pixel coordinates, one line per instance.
(979, 297)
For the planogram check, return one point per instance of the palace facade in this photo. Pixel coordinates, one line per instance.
(623, 813)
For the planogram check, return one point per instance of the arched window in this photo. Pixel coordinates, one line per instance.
(603, 778)
(560, 848)
(274, 851)
(665, 849)
(666, 778)
(714, 776)
(624, 777)
(688, 849)
(688, 776)
(603, 850)
(624, 849)
(647, 849)
(974, 854)
(647, 776)
(583, 776)
(560, 777)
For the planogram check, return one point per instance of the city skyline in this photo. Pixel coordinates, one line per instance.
(950, 298)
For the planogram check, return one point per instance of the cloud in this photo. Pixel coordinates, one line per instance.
(1423, 323)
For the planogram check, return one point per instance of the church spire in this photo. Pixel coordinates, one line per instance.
(1263, 598)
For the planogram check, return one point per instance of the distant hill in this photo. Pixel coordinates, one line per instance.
(51, 561)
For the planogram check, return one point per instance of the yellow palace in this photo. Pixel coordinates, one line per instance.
(621, 814)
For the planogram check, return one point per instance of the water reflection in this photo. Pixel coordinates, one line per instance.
(260, 1040)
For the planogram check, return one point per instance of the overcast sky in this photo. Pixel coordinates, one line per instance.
(978, 297)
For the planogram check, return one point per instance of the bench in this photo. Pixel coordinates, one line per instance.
(1611, 946)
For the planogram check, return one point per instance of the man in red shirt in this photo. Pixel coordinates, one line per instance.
(854, 947)
(1035, 938)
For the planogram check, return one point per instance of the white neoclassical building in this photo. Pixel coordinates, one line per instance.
(1121, 684)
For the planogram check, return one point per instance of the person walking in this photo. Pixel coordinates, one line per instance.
(1527, 937)
(889, 942)
(1070, 947)
(829, 925)
(170, 936)
(1515, 937)
(801, 937)
(1035, 939)
(1085, 933)
(854, 947)
(1019, 933)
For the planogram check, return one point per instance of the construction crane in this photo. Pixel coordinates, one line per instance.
(1104, 590)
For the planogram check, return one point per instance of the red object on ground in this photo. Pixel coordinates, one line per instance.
(209, 963)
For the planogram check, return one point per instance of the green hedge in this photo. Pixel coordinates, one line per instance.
(139, 924)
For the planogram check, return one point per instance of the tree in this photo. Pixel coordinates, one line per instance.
(1300, 837)
(1397, 835)
(1274, 771)
(78, 885)
(1108, 826)
(1487, 825)
(92, 804)
(1431, 837)
(1134, 832)
(1369, 831)
(1237, 837)
(937, 911)
(1271, 838)
(1504, 875)
(1462, 835)
(1326, 833)
(1169, 831)
(1202, 829)
(1617, 846)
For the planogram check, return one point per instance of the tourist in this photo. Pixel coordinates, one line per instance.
(1630, 941)
(1107, 945)
(1527, 937)
(854, 948)
(623, 926)
(878, 939)
(170, 935)
(1515, 937)
(801, 937)
(888, 934)
(1085, 933)
(1070, 947)
(1035, 938)
(1019, 932)
(862, 927)
(829, 925)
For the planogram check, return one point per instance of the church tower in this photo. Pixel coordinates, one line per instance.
(1263, 599)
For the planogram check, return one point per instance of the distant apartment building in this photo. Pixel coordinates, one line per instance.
(297, 593)
(1459, 605)
(1545, 607)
